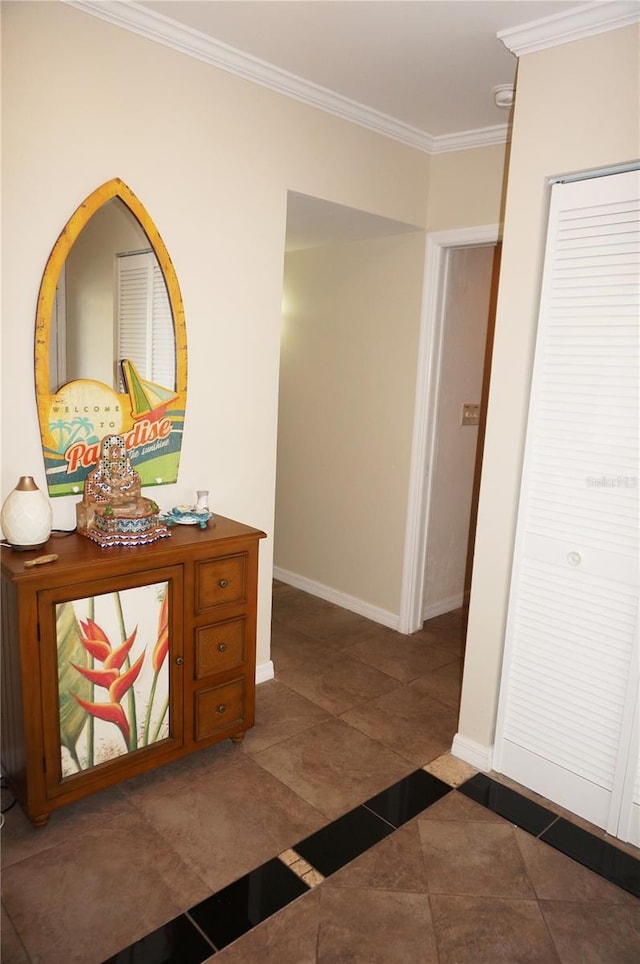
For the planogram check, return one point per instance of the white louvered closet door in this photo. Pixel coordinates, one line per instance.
(568, 714)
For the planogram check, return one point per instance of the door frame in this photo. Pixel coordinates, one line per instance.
(423, 443)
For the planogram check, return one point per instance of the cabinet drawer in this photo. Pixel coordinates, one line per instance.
(220, 647)
(221, 581)
(219, 708)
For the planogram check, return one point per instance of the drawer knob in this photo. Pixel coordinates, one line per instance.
(574, 558)
(179, 660)
(223, 583)
(222, 647)
(222, 708)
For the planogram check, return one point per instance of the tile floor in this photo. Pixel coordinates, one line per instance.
(340, 832)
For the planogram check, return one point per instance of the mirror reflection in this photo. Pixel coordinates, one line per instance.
(110, 344)
(111, 303)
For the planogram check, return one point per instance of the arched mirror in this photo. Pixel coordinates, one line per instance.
(111, 351)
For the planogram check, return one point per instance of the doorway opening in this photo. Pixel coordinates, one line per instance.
(454, 359)
(455, 469)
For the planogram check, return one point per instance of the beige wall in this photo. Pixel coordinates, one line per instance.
(347, 387)
(576, 109)
(466, 188)
(211, 157)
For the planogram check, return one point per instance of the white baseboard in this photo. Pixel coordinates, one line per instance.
(354, 605)
(264, 672)
(445, 605)
(479, 756)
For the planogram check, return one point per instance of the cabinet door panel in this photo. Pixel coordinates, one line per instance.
(220, 647)
(112, 659)
(219, 708)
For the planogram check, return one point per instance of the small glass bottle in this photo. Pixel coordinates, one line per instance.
(202, 500)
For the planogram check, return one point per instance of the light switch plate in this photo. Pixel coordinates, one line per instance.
(470, 414)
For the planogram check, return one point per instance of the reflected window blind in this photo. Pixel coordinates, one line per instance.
(145, 322)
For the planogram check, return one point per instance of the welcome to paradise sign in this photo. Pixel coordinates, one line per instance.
(76, 418)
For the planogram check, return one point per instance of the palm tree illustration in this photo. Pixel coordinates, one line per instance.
(61, 428)
(78, 426)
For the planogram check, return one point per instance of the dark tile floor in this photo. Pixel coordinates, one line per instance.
(340, 832)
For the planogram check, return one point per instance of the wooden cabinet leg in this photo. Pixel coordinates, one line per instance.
(39, 820)
(238, 738)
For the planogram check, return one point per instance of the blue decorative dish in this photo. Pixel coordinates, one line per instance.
(187, 515)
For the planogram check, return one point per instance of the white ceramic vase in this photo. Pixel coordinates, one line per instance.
(26, 516)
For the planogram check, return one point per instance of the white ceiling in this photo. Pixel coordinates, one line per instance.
(421, 71)
(312, 222)
(430, 64)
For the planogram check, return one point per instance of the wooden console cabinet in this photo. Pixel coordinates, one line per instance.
(182, 611)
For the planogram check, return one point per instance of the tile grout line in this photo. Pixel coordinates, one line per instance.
(548, 827)
(198, 928)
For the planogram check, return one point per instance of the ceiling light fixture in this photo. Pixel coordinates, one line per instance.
(503, 96)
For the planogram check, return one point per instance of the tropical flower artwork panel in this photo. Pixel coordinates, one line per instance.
(113, 674)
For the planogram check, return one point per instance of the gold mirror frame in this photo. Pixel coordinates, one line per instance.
(156, 428)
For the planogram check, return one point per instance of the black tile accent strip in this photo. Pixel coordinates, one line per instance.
(595, 853)
(177, 942)
(335, 845)
(606, 860)
(408, 797)
(508, 803)
(236, 909)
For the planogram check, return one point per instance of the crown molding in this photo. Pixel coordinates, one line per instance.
(161, 29)
(562, 28)
(467, 140)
